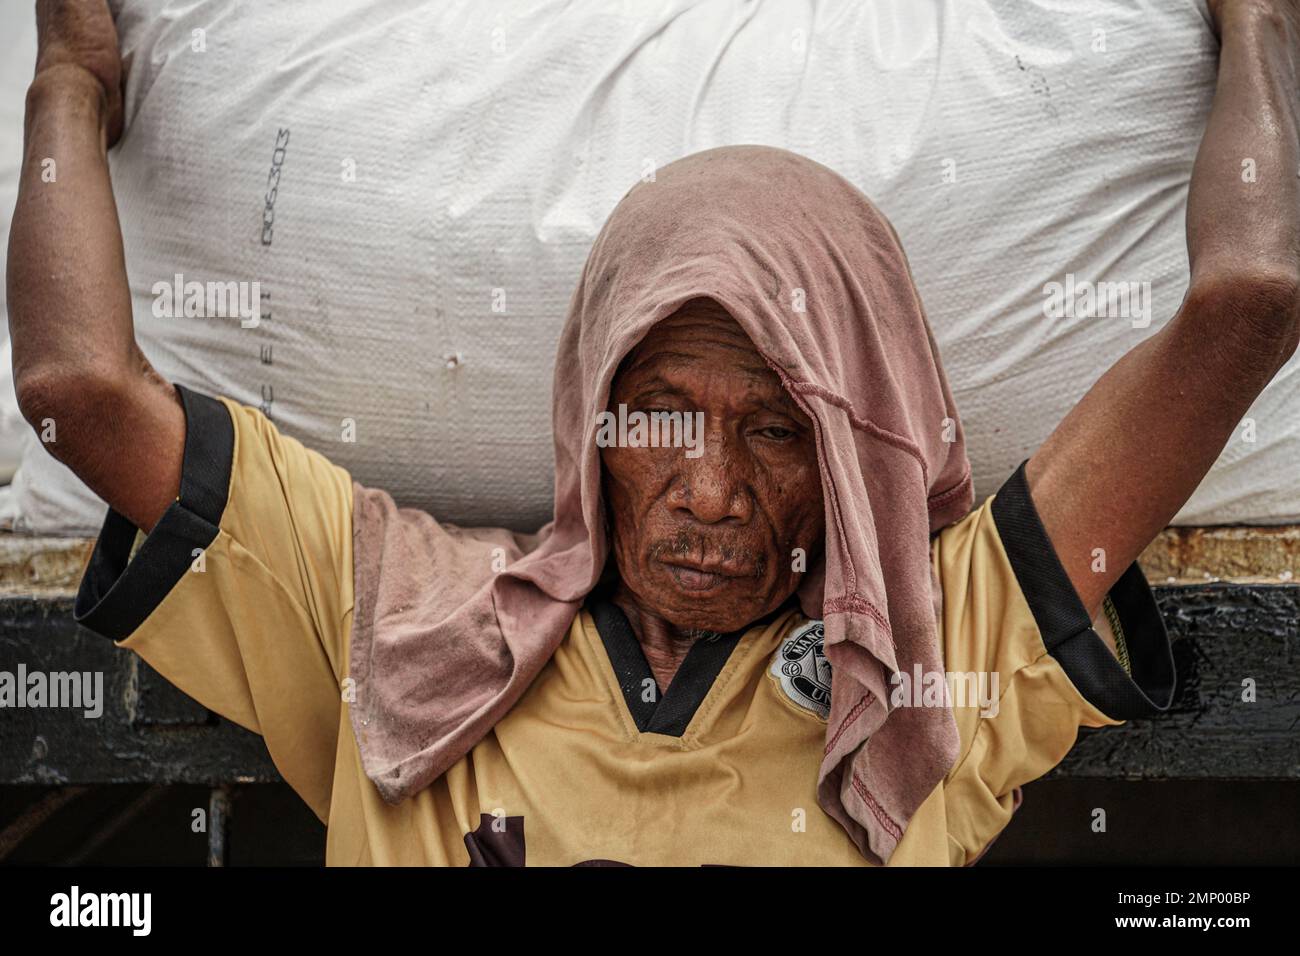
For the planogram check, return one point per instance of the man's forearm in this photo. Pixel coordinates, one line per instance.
(1243, 206)
(1132, 451)
(69, 303)
(81, 380)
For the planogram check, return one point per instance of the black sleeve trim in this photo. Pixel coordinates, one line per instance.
(117, 594)
(1065, 625)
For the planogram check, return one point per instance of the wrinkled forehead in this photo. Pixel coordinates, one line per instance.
(701, 343)
(700, 330)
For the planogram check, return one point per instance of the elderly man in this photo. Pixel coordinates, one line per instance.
(786, 640)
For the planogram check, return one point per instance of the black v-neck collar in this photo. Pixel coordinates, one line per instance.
(670, 712)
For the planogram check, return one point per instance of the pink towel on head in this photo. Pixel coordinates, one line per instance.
(444, 641)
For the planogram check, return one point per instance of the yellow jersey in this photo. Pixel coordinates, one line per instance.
(242, 597)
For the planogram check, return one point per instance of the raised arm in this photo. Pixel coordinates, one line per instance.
(115, 422)
(1131, 453)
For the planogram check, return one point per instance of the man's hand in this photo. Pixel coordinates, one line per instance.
(79, 35)
(81, 380)
(1130, 454)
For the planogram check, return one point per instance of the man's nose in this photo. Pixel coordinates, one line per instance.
(712, 488)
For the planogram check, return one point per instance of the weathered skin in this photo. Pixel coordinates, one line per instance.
(708, 543)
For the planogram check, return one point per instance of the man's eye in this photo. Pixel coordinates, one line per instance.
(776, 433)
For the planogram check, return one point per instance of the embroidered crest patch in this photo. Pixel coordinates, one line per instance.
(802, 671)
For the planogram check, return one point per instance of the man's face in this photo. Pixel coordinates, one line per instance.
(708, 540)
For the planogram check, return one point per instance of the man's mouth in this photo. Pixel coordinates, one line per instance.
(701, 577)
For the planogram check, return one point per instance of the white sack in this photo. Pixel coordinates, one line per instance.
(1011, 143)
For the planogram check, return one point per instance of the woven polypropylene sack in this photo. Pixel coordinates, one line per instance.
(440, 171)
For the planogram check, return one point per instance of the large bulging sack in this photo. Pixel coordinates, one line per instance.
(401, 196)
